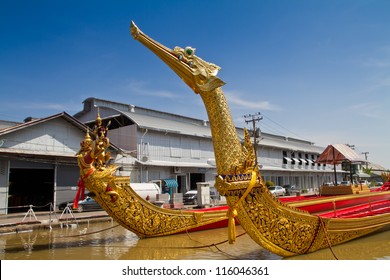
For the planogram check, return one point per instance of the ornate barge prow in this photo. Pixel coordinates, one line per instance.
(201, 77)
(281, 229)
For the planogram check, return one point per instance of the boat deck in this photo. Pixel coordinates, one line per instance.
(359, 211)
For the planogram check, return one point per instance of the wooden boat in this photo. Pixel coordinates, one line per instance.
(124, 205)
(282, 229)
(337, 203)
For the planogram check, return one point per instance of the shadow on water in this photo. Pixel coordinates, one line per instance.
(108, 241)
(30, 242)
(375, 246)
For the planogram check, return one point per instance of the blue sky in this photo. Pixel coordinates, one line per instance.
(316, 70)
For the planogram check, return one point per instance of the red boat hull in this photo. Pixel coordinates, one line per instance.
(325, 206)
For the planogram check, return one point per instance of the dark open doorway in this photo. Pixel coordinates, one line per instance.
(181, 181)
(30, 187)
(196, 178)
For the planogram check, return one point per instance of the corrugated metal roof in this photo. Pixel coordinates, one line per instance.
(168, 125)
(200, 130)
(75, 122)
(290, 145)
(167, 122)
(176, 164)
(337, 153)
(64, 115)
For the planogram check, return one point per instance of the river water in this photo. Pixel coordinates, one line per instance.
(108, 241)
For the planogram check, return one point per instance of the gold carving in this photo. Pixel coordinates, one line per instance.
(121, 202)
(282, 229)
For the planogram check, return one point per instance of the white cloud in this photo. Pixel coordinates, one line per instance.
(41, 106)
(249, 102)
(378, 63)
(141, 88)
(369, 110)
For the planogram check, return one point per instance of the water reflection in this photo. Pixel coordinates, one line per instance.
(111, 242)
(373, 247)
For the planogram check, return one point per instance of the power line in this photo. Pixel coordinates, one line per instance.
(272, 129)
(256, 132)
(288, 130)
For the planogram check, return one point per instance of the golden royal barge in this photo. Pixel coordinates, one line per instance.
(278, 227)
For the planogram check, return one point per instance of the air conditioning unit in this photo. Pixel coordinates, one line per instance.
(145, 158)
(176, 170)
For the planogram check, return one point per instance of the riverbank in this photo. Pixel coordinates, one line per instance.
(17, 222)
(30, 220)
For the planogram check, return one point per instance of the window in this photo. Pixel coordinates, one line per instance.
(284, 157)
(195, 148)
(175, 144)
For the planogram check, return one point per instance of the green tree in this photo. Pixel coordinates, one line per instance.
(368, 170)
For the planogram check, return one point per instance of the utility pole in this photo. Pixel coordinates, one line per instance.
(350, 164)
(253, 118)
(365, 156)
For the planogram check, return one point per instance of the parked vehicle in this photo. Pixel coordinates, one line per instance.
(277, 190)
(191, 197)
(364, 182)
(291, 189)
(88, 204)
(63, 205)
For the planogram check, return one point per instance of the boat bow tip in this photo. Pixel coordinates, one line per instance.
(134, 30)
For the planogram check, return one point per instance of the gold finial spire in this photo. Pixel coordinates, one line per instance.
(86, 144)
(87, 136)
(87, 139)
(98, 118)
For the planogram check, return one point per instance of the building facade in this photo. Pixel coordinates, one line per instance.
(38, 164)
(159, 145)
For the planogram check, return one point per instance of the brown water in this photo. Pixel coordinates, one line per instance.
(108, 241)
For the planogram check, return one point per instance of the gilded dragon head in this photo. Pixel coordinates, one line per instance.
(199, 75)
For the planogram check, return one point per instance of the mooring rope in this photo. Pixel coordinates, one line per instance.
(204, 246)
(327, 237)
(89, 233)
(213, 245)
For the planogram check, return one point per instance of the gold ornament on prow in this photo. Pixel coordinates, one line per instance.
(101, 143)
(86, 144)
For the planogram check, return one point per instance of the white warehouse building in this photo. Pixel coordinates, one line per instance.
(159, 145)
(38, 164)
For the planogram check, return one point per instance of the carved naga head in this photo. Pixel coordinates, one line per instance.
(199, 75)
(86, 144)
